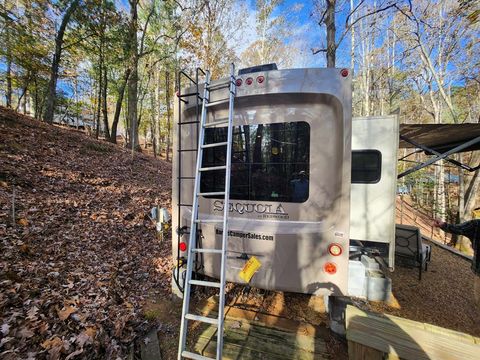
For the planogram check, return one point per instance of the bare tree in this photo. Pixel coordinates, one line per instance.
(52, 85)
(328, 10)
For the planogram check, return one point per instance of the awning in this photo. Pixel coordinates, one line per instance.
(440, 137)
(440, 141)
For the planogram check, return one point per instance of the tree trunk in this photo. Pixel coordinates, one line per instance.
(461, 191)
(167, 100)
(158, 149)
(472, 186)
(52, 85)
(99, 100)
(24, 91)
(153, 119)
(106, 132)
(118, 107)
(8, 94)
(36, 100)
(8, 45)
(352, 41)
(331, 31)
(133, 80)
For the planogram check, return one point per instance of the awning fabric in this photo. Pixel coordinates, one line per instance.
(440, 137)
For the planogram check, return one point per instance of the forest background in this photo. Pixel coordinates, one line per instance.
(111, 66)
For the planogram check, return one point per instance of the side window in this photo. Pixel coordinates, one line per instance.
(366, 166)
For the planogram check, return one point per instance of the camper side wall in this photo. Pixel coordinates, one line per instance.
(374, 179)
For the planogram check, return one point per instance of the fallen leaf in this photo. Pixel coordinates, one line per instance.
(43, 327)
(32, 313)
(66, 312)
(5, 329)
(128, 305)
(23, 222)
(236, 325)
(24, 249)
(73, 354)
(91, 331)
(52, 342)
(25, 333)
(5, 340)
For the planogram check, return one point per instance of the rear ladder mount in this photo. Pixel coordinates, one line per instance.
(192, 250)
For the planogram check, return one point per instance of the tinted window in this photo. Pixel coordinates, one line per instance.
(366, 166)
(270, 162)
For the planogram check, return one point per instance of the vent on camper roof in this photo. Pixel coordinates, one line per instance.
(258, 68)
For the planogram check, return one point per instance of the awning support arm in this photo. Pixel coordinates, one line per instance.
(438, 156)
(431, 151)
(409, 154)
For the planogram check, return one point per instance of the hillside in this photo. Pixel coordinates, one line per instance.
(83, 275)
(80, 257)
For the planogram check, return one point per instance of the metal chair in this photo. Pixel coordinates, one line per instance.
(409, 248)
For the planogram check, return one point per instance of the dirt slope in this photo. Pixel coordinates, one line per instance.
(81, 256)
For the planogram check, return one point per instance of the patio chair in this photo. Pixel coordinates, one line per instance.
(410, 249)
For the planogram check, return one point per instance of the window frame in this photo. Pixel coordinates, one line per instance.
(263, 164)
(379, 171)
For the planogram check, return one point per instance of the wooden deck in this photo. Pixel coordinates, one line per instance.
(378, 336)
(250, 335)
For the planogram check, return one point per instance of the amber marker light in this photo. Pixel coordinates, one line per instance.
(330, 268)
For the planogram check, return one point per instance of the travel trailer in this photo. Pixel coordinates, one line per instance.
(312, 192)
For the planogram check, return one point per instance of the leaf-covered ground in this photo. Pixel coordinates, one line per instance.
(80, 257)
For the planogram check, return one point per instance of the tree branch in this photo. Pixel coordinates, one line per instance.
(78, 41)
(316, 51)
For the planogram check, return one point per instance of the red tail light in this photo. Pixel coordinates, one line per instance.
(183, 246)
(335, 250)
(249, 81)
(330, 268)
(260, 79)
(238, 82)
(344, 72)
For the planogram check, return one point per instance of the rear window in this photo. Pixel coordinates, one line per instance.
(270, 162)
(366, 166)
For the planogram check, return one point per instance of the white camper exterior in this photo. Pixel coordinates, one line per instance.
(372, 211)
(290, 183)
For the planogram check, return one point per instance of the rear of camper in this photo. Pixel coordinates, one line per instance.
(290, 193)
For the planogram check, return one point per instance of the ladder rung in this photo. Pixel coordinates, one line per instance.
(219, 86)
(212, 168)
(205, 283)
(215, 123)
(186, 177)
(190, 355)
(213, 193)
(206, 221)
(203, 319)
(188, 94)
(182, 150)
(216, 102)
(208, 251)
(223, 143)
(188, 122)
(190, 205)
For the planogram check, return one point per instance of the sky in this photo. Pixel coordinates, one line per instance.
(306, 32)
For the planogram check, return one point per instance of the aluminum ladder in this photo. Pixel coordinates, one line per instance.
(186, 315)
